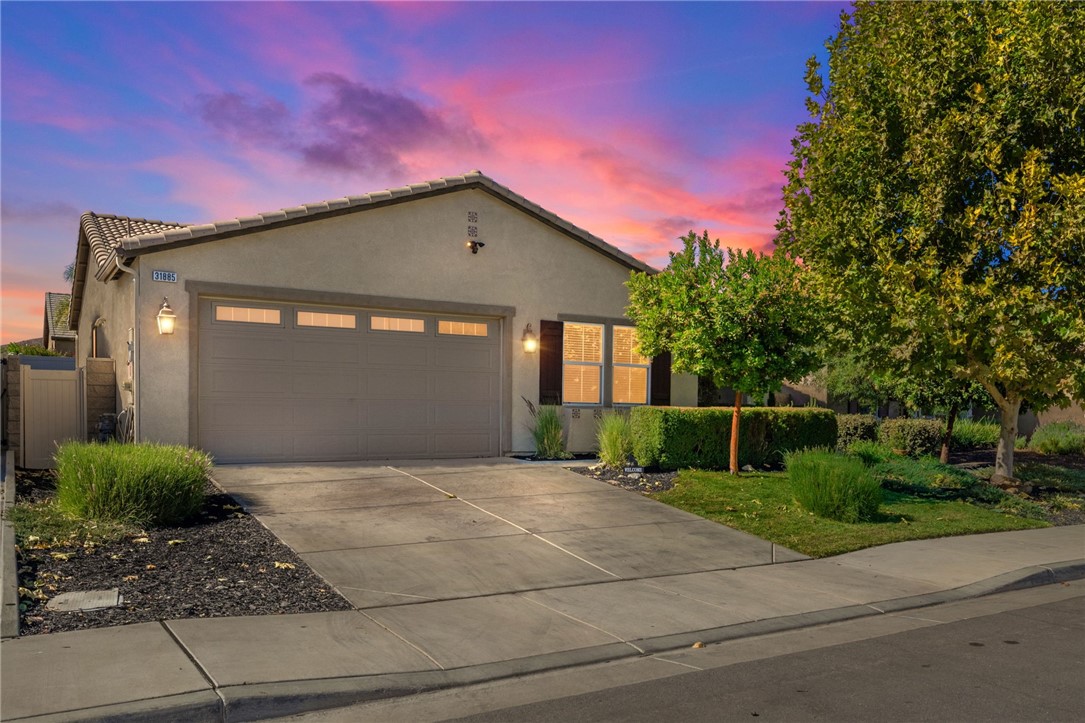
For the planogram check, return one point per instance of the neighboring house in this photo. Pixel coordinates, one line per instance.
(56, 336)
(393, 324)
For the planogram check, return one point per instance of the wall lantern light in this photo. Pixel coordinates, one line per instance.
(531, 342)
(167, 320)
(474, 245)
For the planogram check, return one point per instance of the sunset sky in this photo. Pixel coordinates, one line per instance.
(636, 121)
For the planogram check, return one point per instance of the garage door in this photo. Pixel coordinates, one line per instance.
(288, 382)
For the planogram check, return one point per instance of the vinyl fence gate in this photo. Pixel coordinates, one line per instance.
(52, 412)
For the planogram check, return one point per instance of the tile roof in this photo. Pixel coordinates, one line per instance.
(113, 240)
(170, 234)
(105, 231)
(54, 328)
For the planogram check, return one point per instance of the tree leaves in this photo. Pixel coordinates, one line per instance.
(938, 193)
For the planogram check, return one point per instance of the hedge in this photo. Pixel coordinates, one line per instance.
(913, 437)
(853, 428)
(671, 438)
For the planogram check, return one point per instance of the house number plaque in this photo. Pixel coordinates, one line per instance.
(170, 276)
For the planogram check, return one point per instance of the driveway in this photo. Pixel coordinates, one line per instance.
(401, 533)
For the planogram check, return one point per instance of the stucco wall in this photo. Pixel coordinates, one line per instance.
(113, 302)
(411, 250)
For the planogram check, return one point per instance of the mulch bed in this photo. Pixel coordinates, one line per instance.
(646, 483)
(225, 563)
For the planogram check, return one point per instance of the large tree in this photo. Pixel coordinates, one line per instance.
(938, 194)
(744, 320)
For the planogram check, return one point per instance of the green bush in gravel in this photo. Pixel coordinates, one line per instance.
(913, 437)
(851, 428)
(1059, 438)
(615, 439)
(833, 486)
(144, 484)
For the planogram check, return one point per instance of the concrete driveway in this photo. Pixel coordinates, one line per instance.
(401, 533)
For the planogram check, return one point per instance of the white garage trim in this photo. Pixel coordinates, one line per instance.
(321, 302)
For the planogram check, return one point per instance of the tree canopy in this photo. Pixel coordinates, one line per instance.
(742, 319)
(937, 195)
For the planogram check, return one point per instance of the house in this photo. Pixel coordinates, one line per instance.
(55, 334)
(398, 324)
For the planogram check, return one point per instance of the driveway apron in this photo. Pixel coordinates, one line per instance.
(473, 559)
(399, 533)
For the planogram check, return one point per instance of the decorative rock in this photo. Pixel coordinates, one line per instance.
(747, 468)
(85, 601)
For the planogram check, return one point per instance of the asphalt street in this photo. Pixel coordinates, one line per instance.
(1022, 665)
(1014, 656)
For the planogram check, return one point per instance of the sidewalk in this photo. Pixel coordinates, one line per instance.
(260, 667)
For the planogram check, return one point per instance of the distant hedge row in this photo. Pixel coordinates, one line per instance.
(672, 438)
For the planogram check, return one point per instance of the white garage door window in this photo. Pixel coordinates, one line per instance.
(286, 382)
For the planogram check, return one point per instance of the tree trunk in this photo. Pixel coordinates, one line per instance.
(950, 419)
(1010, 408)
(734, 431)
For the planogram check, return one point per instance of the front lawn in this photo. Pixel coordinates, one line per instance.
(762, 504)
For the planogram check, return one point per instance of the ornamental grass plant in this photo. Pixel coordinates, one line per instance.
(548, 432)
(975, 434)
(615, 438)
(142, 484)
(1059, 438)
(834, 486)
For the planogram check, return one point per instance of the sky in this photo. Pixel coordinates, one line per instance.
(636, 121)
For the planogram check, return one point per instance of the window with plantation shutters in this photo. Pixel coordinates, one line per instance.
(629, 380)
(582, 363)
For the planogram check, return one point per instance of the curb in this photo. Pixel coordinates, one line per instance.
(9, 579)
(273, 700)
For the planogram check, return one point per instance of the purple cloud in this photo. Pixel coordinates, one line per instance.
(353, 127)
(38, 211)
(361, 128)
(245, 119)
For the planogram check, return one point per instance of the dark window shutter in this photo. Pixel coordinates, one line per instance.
(661, 380)
(551, 335)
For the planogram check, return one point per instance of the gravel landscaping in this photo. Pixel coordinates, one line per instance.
(225, 563)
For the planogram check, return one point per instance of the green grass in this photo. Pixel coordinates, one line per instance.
(45, 525)
(142, 484)
(762, 504)
(1061, 479)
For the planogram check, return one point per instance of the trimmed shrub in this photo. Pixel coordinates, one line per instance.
(615, 439)
(913, 437)
(143, 484)
(549, 432)
(871, 453)
(851, 428)
(1059, 438)
(833, 486)
(973, 434)
(678, 437)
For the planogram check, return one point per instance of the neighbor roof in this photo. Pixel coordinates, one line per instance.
(53, 328)
(116, 240)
